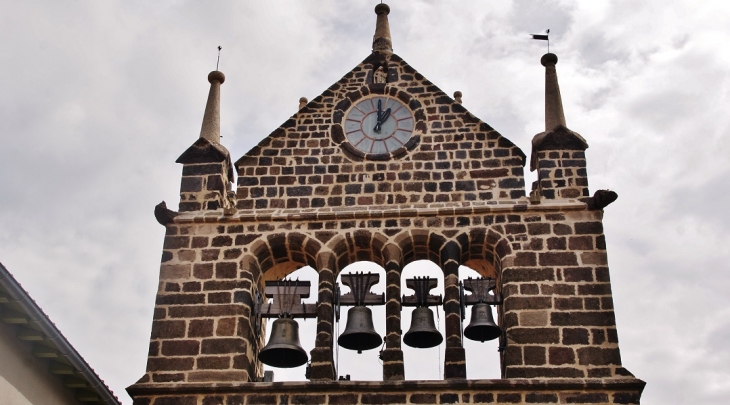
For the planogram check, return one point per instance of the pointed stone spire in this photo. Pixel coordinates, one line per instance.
(554, 115)
(381, 39)
(211, 128)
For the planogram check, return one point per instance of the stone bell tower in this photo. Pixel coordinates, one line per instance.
(385, 167)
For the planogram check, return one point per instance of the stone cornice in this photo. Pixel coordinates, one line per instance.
(313, 387)
(379, 212)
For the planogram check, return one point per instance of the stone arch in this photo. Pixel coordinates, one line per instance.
(359, 245)
(279, 254)
(484, 250)
(420, 244)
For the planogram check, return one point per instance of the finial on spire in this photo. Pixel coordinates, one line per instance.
(211, 128)
(219, 57)
(381, 39)
(457, 96)
(554, 115)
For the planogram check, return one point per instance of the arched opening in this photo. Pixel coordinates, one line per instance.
(366, 365)
(307, 327)
(482, 358)
(423, 364)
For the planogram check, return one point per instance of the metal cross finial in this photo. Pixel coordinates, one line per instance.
(219, 57)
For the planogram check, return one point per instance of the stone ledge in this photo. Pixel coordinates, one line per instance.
(379, 212)
(314, 387)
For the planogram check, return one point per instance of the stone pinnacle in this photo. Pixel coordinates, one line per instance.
(381, 39)
(554, 115)
(211, 128)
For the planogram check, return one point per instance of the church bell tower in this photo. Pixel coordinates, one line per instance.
(385, 167)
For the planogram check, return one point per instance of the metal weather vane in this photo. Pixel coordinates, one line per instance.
(543, 38)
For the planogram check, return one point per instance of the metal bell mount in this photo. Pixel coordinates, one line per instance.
(284, 349)
(482, 326)
(423, 332)
(360, 333)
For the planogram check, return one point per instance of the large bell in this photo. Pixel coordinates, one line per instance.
(283, 349)
(359, 333)
(482, 326)
(423, 332)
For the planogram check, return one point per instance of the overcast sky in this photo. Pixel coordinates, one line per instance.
(98, 99)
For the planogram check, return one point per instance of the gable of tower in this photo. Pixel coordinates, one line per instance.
(452, 157)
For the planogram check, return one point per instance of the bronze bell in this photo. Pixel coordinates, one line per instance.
(359, 333)
(423, 332)
(482, 326)
(283, 349)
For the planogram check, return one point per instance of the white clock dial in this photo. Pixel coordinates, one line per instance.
(379, 125)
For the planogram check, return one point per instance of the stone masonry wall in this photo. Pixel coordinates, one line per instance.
(557, 309)
(458, 157)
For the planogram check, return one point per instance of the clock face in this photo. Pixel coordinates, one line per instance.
(379, 125)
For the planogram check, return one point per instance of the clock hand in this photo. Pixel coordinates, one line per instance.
(382, 117)
(385, 116)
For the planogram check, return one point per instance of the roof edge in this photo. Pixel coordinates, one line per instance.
(32, 309)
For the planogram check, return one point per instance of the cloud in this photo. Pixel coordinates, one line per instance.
(99, 99)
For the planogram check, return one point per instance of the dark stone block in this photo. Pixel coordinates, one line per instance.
(226, 270)
(180, 347)
(168, 329)
(261, 399)
(587, 398)
(449, 398)
(423, 399)
(176, 401)
(223, 346)
(542, 372)
(561, 355)
(509, 398)
(483, 398)
(535, 355)
(170, 364)
(626, 398)
(213, 363)
(587, 318)
(176, 242)
(577, 274)
(191, 184)
(221, 240)
(383, 399)
(583, 228)
(180, 299)
(200, 328)
(527, 274)
(307, 399)
(534, 335)
(515, 303)
(595, 289)
(343, 399)
(558, 259)
(534, 398)
(597, 356)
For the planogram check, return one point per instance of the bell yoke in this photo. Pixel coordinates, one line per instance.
(285, 351)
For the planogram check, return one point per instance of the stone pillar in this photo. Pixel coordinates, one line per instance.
(199, 331)
(323, 365)
(454, 358)
(392, 356)
(558, 310)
